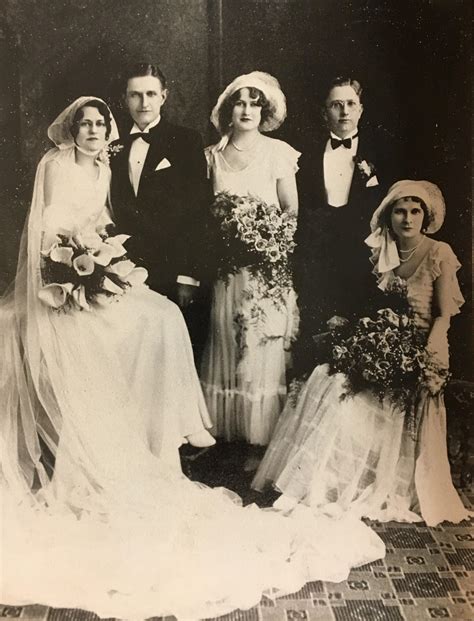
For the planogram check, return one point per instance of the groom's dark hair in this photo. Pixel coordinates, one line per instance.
(137, 70)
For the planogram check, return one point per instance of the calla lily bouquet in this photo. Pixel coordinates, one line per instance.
(83, 268)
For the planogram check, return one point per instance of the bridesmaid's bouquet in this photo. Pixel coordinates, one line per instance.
(82, 268)
(256, 236)
(383, 354)
(387, 355)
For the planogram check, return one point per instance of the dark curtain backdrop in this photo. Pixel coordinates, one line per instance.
(412, 56)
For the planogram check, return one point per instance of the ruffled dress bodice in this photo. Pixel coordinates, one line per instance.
(420, 285)
(274, 160)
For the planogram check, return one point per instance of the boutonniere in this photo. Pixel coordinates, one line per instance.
(367, 172)
(111, 151)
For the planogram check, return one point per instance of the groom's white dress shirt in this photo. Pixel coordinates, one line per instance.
(338, 170)
(138, 153)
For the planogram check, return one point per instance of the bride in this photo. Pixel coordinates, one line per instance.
(105, 383)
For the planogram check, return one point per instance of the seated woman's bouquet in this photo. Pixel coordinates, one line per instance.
(256, 236)
(79, 269)
(387, 355)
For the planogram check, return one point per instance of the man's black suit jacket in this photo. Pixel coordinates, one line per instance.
(167, 220)
(332, 271)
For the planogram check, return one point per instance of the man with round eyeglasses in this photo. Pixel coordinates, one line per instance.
(345, 172)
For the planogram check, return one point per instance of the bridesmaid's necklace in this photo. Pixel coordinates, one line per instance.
(411, 251)
(244, 148)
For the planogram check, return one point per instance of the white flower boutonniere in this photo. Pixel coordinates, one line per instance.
(111, 151)
(367, 172)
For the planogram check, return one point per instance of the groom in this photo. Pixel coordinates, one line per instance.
(160, 196)
(345, 172)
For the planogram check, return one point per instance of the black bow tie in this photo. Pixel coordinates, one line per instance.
(345, 142)
(146, 136)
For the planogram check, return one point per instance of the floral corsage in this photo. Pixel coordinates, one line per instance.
(110, 152)
(367, 172)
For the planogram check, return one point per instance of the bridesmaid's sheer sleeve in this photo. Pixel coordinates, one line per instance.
(444, 265)
(285, 159)
(285, 166)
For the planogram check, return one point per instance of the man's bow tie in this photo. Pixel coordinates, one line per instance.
(146, 136)
(345, 142)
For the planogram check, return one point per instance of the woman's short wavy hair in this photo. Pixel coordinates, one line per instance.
(225, 112)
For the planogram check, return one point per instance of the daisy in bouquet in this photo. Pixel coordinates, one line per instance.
(387, 355)
(82, 268)
(256, 236)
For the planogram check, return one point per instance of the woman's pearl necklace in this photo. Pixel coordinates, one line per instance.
(411, 251)
(244, 148)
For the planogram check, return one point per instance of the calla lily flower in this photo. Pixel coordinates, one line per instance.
(110, 286)
(84, 265)
(116, 242)
(62, 254)
(121, 268)
(103, 255)
(137, 276)
(50, 241)
(118, 239)
(79, 296)
(55, 294)
(90, 240)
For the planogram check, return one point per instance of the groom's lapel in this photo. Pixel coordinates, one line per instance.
(358, 182)
(120, 170)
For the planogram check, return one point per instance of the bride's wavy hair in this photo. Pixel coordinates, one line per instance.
(103, 110)
(225, 113)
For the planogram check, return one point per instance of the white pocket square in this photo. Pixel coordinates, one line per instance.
(163, 164)
(372, 182)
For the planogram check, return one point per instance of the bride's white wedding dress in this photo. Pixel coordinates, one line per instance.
(118, 529)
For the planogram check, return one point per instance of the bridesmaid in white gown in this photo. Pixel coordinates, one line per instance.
(244, 366)
(118, 529)
(356, 455)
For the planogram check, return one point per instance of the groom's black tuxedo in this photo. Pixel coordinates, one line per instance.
(167, 219)
(332, 268)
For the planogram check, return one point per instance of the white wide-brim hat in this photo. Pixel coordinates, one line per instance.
(428, 192)
(269, 86)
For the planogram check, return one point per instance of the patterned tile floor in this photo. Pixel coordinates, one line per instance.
(428, 573)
